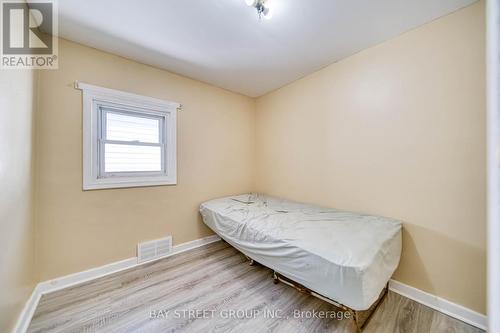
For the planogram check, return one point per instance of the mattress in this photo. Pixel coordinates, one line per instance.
(347, 257)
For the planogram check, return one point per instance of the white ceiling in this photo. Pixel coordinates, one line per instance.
(222, 42)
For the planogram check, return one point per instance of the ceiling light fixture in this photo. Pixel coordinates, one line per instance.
(261, 7)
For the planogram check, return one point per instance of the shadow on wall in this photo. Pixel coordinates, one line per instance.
(447, 256)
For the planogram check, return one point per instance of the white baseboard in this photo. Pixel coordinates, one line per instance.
(93, 273)
(440, 304)
(45, 287)
(27, 312)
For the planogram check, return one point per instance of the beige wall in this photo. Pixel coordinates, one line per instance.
(396, 130)
(17, 105)
(77, 229)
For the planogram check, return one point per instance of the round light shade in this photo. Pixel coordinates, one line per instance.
(268, 13)
(251, 2)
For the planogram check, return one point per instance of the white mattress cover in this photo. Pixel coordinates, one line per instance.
(347, 257)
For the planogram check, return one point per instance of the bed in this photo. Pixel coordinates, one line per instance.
(341, 256)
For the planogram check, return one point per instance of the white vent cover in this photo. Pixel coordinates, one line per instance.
(154, 249)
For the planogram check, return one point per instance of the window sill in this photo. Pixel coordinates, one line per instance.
(110, 183)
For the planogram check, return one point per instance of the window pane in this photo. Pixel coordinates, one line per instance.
(126, 158)
(132, 128)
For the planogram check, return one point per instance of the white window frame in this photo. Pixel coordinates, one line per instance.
(97, 101)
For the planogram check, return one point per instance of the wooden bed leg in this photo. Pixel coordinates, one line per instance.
(356, 321)
(251, 262)
(361, 318)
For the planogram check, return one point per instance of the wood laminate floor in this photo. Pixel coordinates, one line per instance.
(213, 289)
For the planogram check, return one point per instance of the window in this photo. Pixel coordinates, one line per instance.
(128, 140)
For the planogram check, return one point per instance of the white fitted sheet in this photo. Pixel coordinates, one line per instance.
(347, 257)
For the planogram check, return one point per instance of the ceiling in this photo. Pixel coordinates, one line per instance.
(222, 42)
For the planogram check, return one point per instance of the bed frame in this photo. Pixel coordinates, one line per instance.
(360, 318)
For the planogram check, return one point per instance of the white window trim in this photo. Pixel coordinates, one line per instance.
(93, 98)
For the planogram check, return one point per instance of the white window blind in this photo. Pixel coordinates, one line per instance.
(132, 127)
(131, 142)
